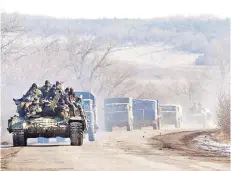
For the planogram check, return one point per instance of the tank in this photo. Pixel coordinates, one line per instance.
(50, 123)
(202, 117)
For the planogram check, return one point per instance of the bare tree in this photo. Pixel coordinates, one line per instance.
(223, 113)
(87, 57)
(220, 54)
(11, 34)
(188, 87)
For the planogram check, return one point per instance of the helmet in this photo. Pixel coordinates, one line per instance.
(67, 89)
(57, 83)
(47, 82)
(34, 85)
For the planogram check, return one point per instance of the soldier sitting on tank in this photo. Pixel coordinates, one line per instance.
(34, 108)
(65, 96)
(194, 108)
(59, 87)
(61, 108)
(24, 103)
(35, 90)
(52, 93)
(45, 89)
(79, 106)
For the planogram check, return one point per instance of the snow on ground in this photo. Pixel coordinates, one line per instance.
(206, 143)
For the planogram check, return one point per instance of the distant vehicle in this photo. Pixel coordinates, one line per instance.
(203, 117)
(89, 105)
(118, 112)
(171, 114)
(145, 113)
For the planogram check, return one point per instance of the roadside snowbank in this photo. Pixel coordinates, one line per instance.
(206, 142)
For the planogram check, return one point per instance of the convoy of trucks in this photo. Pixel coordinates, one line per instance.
(131, 113)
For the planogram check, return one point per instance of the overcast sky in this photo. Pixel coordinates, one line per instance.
(117, 8)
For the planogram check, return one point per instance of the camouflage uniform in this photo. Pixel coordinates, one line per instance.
(62, 109)
(25, 102)
(52, 93)
(45, 89)
(59, 87)
(35, 90)
(34, 108)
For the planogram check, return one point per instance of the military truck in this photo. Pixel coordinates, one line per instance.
(145, 113)
(171, 114)
(50, 123)
(118, 112)
(89, 105)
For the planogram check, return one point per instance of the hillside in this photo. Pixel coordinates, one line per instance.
(189, 34)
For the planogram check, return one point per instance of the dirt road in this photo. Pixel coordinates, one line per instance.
(116, 151)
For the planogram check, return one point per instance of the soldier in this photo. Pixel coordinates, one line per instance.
(79, 100)
(25, 101)
(34, 108)
(35, 90)
(45, 89)
(62, 108)
(65, 96)
(51, 93)
(59, 87)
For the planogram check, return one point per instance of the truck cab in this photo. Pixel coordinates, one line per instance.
(171, 114)
(145, 113)
(118, 112)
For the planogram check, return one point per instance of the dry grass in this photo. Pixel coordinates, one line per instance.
(223, 114)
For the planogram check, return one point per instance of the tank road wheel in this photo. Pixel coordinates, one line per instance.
(76, 133)
(19, 138)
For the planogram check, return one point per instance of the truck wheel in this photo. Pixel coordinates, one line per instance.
(159, 124)
(91, 126)
(129, 127)
(76, 133)
(154, 126)
(91, 134)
